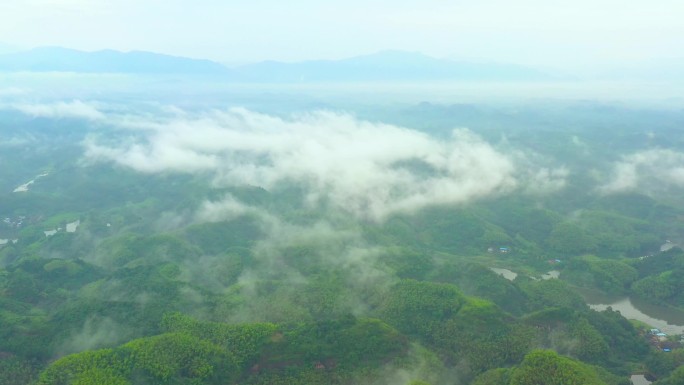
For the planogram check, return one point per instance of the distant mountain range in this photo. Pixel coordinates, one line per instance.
(383, 66)
(57, 59)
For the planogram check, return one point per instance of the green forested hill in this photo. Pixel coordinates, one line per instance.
(122, 264)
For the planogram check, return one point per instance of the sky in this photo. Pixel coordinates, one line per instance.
(542, 33)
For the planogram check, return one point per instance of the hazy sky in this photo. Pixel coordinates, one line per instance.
(540, 32)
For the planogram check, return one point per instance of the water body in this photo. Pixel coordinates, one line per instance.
(668, 245)
(71, 227)
(509, 275)
(49, 233)
(639, 379)
(666, 318)
(25, 187)
(551, 275)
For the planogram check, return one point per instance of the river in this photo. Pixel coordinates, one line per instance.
(666, 318)
(508, 274)
(25, 187)
(511, 275)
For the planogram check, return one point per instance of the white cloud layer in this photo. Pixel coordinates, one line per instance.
(369, 169)
(73, 109)
(12, 92)
(647, 171)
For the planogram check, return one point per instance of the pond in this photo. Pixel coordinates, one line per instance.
(508, 274)
(551, 274)
(71, 227)
(639, 379)
(511, 275)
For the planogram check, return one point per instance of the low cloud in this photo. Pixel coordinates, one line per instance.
(546, 180)
(650, 171)
(16, 141)
(281, 254)
(12, 92)
(97, 332)
(73, 109)
(369, 169)
(225, 209)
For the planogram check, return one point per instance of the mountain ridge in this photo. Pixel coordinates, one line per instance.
(386, 66)
(380, 66)
(59, 59)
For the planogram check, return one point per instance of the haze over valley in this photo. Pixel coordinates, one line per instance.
(449, 200)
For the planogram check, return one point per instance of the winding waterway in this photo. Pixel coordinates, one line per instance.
(668, 319)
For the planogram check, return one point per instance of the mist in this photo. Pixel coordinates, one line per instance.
(332, 230)
(369, 169)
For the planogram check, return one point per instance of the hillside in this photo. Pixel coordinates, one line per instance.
(158, 245)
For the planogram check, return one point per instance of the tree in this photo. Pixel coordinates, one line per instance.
(568, 239)
(546, 367)
(676, 378)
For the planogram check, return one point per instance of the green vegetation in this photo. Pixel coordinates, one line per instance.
(608, 275)
(546, 367)
(201, 278)
(676, 378)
